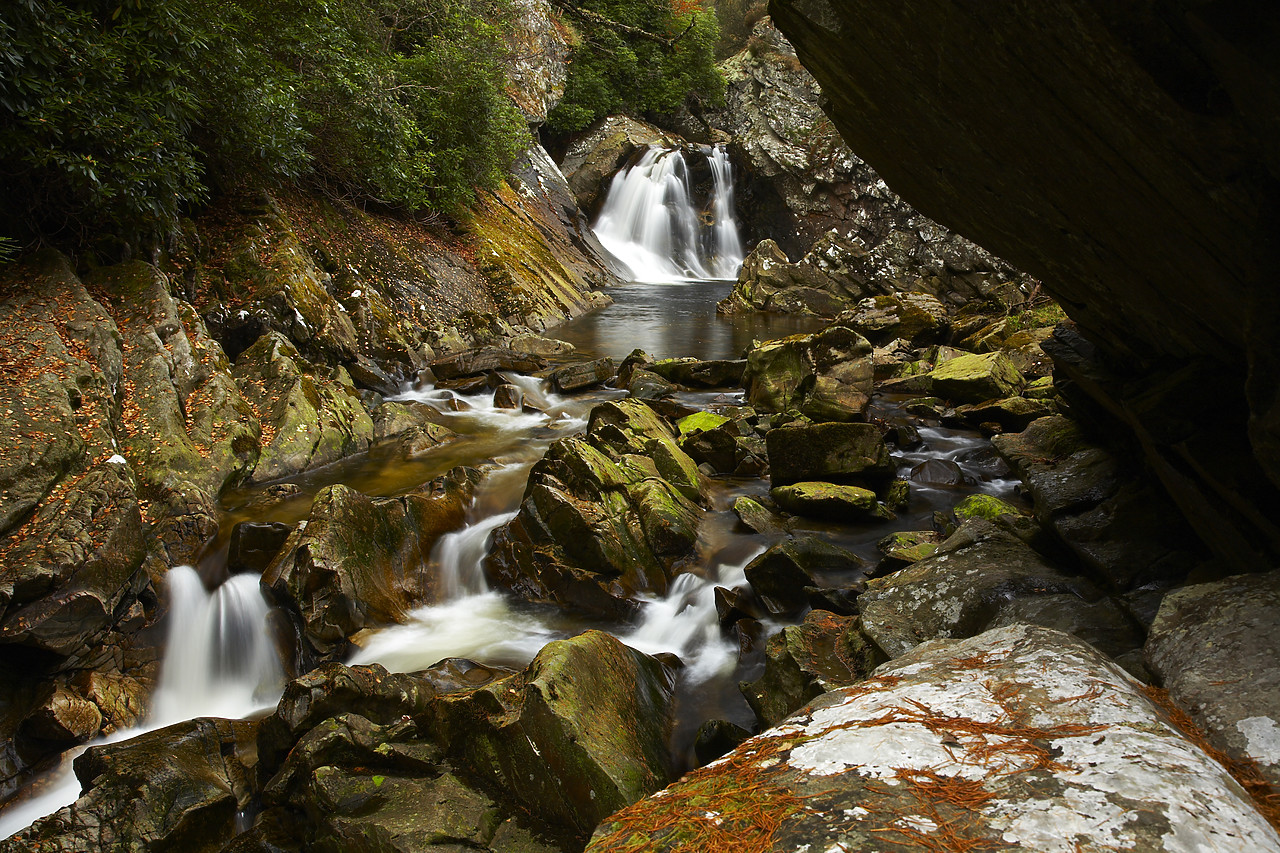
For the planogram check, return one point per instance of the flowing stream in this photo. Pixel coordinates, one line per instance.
(219, 656)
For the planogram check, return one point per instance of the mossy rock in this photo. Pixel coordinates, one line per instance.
(833, 452)
(700, 422)
(988, 507)
(974, 378)
(830, 501)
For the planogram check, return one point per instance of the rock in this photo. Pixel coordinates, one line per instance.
(601, 151)
(538, 64)
(585, 374)
(969, 736)
(1012, 414)
(576, 736)
(780, 575)
(308, 419)
(720, 448)
(696, 373)
(393, 419)
(474, 362)
(834, 275)
(757, 517)
(715, 738)
(360, 562)
(918, 318)
(605, 516)
(64, 718)
(829, 501)
(1103, 623)
(973, 378)
(804, 661)
(508, 396)
(1110, 517)
(527, 343)
(1214, 647)
(254, 545)
(779, 374)
(846, 453)
(644, 385)
(176, 788)
(940, 473)
(988, 507)
(907, 547)
(1029, 204)
(960, 589)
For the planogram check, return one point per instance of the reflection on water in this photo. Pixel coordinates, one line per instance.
(674, 320)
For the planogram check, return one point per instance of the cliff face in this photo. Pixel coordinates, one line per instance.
(1127, 157)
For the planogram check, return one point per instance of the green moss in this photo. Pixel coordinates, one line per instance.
(986, 507)
(699, 422)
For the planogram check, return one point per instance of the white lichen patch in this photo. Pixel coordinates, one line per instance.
(1263, 738)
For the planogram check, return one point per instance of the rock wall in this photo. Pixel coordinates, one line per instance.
(1125, 156)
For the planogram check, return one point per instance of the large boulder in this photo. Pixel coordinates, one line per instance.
(311, 416)
(976, 377)
(177, 788)
(601, 151)
(1109, 515)
(1167, 270)
(961, 588)
(825, 376)
(360, 562)
(1215, 649)
(1019, 739)
(606, 516)
(834, 275)
(834, 453)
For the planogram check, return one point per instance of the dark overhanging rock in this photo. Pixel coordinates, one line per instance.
(1124, 155)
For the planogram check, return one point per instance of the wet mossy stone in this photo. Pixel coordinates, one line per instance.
(988, 507)
(974, 378)
(585, 374)
(779, 374)
(851, 453)
(695, 373)
(804, 661)
(699, 422)
(779, 575)
(907, 547)
(830, 501)
(759, 518)
(644, 385)
(1012, 414)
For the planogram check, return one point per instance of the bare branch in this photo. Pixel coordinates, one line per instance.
(596, 18)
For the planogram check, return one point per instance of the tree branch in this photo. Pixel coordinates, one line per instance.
(597, 18)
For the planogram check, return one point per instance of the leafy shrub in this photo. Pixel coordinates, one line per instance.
(114, 114)
(612, 71)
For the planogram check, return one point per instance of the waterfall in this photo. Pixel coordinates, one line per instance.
(649, 221)
(219, 658)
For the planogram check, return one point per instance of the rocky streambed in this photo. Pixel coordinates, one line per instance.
(529, 605)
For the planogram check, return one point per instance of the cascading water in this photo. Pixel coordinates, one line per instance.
(649, 221)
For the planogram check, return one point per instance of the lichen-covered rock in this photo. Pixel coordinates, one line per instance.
(917, 318)
(758, 517)
(804, 661)
(960, 589)
(474, 362)
(177, 788)
(846, 453)
(974, 378)
(538, 62)
(311, 419)
(1113, 519)
(833, 276)
(779, 374)
(971, 742)
(584, 374)
(907, 547)
(1214, 647)
(358, 562)
(605, 517)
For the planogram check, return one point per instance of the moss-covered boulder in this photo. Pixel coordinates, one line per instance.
(906, 547)
(310, 416)
(834, 275)
(918, 318)
(696, 373)
(756, 516)
(986, 507)
(974, 378)
(847, 453)
(804, 661)
(826, 376)
(1012, 414)
(779, 374)
(830, 501)
(177, 788)
(606, 516)
(359, 562)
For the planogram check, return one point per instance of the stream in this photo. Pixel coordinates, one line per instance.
(219, 659)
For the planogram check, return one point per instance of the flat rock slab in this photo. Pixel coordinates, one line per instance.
(484, 359)
(1216, 649)
(1020, 739)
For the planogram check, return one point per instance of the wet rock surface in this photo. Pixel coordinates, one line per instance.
(966, 741)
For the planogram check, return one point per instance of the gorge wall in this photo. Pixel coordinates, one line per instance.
(1128, 158)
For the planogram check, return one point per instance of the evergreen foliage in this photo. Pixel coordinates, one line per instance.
(613, 72)
(116, 113)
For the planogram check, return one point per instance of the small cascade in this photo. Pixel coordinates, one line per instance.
(219, 659)
(649, 221)
(458, 557)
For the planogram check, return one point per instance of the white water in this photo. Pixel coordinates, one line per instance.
(219, 662)
(650, 223)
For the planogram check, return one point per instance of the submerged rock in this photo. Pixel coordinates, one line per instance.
(968, 739)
